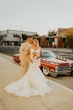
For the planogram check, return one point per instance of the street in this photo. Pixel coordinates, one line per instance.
(64, 52)
(66, 81)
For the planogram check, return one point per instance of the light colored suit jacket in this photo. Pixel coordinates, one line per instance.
(24, 48)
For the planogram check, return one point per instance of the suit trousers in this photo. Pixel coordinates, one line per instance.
(25, 63)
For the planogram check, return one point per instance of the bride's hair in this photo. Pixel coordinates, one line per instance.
(36, 41)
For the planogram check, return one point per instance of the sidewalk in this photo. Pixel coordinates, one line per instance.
(60, 99)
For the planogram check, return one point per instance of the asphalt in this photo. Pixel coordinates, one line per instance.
(61, 98)
(63, 52)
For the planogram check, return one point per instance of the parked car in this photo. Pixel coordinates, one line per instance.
(16, 57)
(53, 65)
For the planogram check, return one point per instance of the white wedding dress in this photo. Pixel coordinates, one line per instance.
(32, 83)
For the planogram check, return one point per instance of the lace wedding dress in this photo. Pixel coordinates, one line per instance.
(32, 83)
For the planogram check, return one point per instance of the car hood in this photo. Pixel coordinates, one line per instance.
(17, 54)
(57, 61)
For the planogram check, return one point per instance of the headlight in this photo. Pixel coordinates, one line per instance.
(56, 69)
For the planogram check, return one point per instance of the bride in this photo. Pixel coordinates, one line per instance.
(33, 82)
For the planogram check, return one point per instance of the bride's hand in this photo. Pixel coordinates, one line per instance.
(28, 52)
(31, 60)
(35, 55)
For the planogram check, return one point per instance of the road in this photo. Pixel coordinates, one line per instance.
(64, 52)
(66, 81)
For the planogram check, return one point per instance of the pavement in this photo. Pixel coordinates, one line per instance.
(61, 98)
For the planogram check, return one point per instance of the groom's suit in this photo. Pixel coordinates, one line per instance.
(24, 56)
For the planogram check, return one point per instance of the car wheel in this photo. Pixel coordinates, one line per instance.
(45, 70)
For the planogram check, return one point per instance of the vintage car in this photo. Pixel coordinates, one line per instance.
(16, 57)
(53, 65)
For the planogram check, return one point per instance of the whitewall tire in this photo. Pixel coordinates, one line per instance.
(45, 70)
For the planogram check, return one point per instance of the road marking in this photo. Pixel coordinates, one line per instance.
(70, 90)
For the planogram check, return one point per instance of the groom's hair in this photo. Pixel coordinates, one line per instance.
(30, 40)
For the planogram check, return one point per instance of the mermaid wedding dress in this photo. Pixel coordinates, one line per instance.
(32, 83)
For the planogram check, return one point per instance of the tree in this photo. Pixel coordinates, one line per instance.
(24, 36)
(70, 39)
(52, 33)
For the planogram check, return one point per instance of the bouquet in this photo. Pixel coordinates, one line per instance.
(35, 55)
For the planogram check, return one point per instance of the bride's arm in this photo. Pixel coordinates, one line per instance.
(38, 55)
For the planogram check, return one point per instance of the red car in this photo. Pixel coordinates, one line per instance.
(52, 65)
(16, 57)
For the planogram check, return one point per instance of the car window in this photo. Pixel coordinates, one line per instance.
(48, 55)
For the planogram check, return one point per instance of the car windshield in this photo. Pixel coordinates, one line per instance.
(48, 55)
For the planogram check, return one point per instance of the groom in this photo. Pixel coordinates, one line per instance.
(24, 54)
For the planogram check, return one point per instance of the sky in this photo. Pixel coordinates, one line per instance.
(38, 16)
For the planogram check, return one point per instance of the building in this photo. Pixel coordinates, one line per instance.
(53, 41)
(43, 41)
(14, 37)
(62, 31)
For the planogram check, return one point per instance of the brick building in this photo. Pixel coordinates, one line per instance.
(62, 31)
(53, 41)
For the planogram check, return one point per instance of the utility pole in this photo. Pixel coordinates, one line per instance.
(21, 32)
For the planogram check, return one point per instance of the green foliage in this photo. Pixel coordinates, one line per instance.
(52, 33)
(70, 40)
(24, 36)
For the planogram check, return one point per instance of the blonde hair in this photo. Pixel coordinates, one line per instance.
(36, 41)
